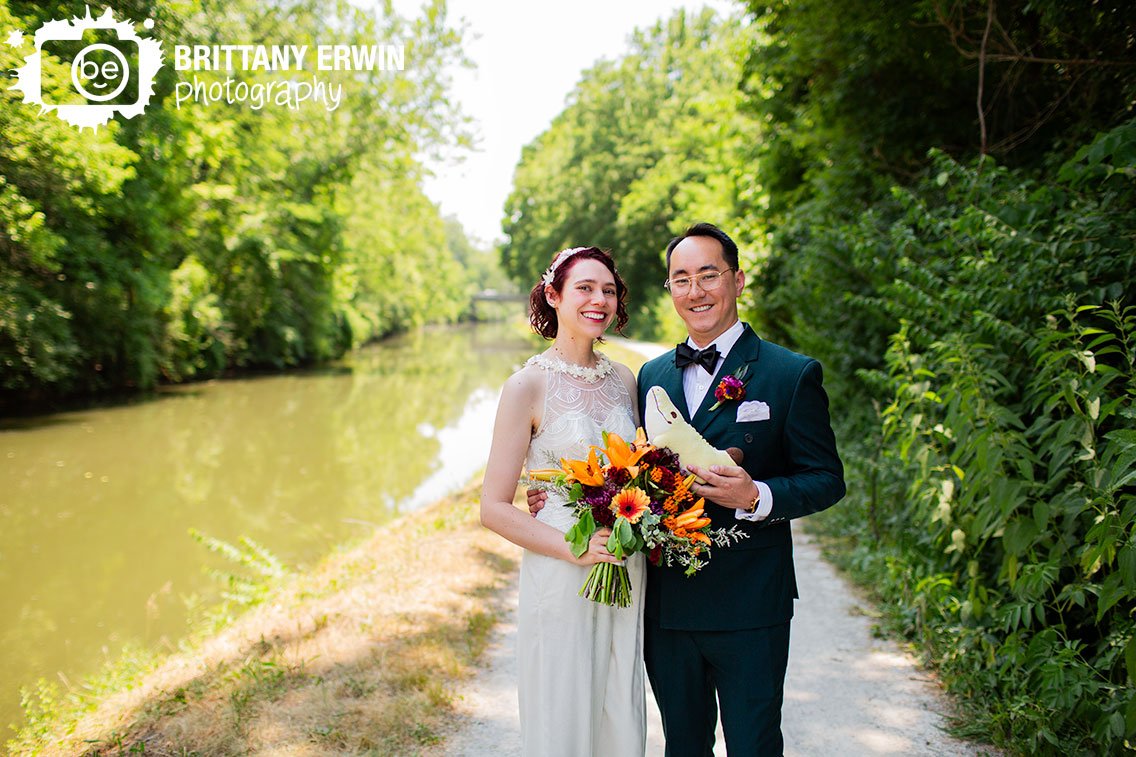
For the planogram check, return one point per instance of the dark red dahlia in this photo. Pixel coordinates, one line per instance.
(603, 514)
(618, 477)
(661, 456)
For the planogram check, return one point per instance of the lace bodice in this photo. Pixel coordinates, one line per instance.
(579, 405)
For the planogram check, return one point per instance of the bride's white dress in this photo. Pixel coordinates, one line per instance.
(580, 663)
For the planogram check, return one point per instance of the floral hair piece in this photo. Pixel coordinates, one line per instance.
(557, 262)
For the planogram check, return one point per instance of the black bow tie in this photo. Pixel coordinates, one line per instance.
(707, 358)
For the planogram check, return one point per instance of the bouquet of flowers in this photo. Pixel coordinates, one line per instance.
(639, 491)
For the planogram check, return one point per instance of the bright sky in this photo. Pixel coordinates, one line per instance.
(529, 55)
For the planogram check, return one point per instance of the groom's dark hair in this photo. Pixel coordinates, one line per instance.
(729, 249)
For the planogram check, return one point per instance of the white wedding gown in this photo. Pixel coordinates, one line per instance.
(580, 663)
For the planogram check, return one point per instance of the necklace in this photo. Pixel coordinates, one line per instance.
(589, 375)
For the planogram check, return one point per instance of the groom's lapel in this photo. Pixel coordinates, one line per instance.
(745, 350)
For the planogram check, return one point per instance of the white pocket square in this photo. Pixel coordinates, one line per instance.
(755, 410)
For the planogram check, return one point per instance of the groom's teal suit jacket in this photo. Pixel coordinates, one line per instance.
(751, 584)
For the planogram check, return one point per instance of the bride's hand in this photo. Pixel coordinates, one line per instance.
(597, 549)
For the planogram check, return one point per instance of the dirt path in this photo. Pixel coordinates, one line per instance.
(846, 693)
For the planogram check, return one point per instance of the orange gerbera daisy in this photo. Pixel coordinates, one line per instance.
(631, 503)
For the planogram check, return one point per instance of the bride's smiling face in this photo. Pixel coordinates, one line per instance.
(588, 301)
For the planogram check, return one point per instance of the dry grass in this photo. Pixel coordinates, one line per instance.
(359, 656)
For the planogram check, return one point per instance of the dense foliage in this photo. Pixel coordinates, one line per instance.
(969, 283)
(938, 200)
(190, 240)
(998, 508)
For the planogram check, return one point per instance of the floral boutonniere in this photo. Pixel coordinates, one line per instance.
(731, 388)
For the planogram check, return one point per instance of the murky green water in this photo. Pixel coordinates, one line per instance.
(95, 506)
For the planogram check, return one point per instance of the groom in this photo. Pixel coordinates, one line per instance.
(722, 635)
(725, 630)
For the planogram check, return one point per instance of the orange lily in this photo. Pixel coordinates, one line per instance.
(619, 454)
(692, 513)
(640, 442)
(588, 473)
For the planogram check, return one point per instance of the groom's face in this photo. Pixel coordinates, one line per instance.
(706, 312)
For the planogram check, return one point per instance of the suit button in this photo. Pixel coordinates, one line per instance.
(749, 438)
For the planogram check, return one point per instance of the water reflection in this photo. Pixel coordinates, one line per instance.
(95, 505)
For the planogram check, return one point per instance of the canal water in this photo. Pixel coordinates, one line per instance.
(96, 505)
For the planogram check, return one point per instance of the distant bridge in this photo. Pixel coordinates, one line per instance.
(492, 295)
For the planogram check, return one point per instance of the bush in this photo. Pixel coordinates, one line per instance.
(1000, 485)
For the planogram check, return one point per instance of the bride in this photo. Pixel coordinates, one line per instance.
(580, 669)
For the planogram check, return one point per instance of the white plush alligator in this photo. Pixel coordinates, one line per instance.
(666, 427)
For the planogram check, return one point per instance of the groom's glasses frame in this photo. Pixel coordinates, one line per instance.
(707, 282)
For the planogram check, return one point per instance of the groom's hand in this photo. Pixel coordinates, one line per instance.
(726, 485)
(536, 500)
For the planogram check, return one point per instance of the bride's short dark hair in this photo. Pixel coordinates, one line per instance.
(542, 316)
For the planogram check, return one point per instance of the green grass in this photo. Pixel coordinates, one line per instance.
(338, 661)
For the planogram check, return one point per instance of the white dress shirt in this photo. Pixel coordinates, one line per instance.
(695, 385)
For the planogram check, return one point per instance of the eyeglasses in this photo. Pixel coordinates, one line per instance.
(708, 281)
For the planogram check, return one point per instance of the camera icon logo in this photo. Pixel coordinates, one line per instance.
(87, 69)
(112, 69)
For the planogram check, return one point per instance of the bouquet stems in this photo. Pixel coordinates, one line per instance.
(609, 584)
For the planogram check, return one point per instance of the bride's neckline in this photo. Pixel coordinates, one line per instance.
(590, 375)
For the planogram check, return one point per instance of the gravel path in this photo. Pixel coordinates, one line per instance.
(846, 693)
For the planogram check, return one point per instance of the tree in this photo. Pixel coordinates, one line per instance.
(194, 238)
(647, 144)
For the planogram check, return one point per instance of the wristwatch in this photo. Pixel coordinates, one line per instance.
(753, 505)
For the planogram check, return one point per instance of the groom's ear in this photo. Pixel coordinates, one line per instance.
(740, 280)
